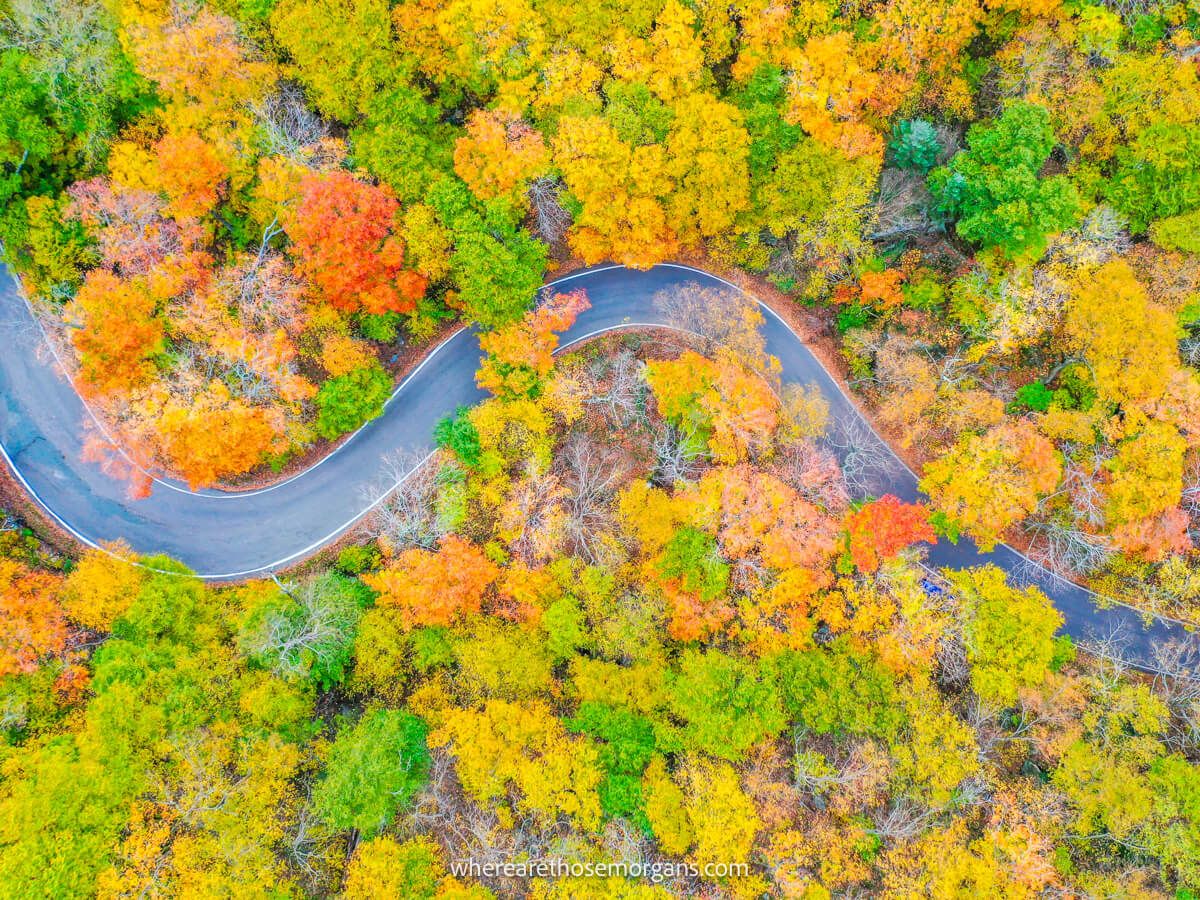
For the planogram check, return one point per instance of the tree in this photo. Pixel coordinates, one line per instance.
(435, 588)
(723, 821)
(993, 188)
(343, 51)
(947, 862)
(32, 625)
(120, 333)
(707, 150)
(343, 234)
(839, 691)
(727, 704)
(619, 190)
(1146, 475)
(499, 155)
(882, 528)
(521, 355)
(915, 145)
(412, 869)
(102, 586)
(829, 93)
(721, 402)
(305, 631)
(524, 746)
(627, 748)
(73, 62)
(1127, 338)
(1009, 633)
(936, 752)
(496, 266)
(375, 767)
(990, 481)
(214, 435)
(403, 143)
(347, 402)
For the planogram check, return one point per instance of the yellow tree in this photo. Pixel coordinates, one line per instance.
(829, 93)
(1127, 338)
(1146, 475)
(989, 481)
(620, 189)
(102, 586)
(670, 61)
(707, 149)
(526, 747)
(499, 155)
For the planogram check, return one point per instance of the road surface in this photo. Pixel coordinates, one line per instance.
(224, 536)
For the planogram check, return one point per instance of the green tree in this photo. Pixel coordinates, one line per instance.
(403, 141)
(915, 145)
(348, 401)
(727, 704)
(627, 746)
(496, 266)
(375, 767)
(839, 691)
(993, 188)
(1009, 633)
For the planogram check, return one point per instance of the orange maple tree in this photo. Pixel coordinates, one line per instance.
(435, 588)
(118, 333)
(520, 355)
(343, 234)
(32, 624)
(882, 528)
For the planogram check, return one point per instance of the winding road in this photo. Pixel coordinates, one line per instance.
(231, 535)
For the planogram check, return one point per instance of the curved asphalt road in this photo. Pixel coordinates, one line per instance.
(232, 535)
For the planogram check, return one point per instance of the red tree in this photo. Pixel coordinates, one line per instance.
(881, 529)
(343, 237)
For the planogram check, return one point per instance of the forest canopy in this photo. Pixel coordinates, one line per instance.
(645, 603)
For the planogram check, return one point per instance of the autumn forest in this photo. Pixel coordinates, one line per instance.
(650, 603)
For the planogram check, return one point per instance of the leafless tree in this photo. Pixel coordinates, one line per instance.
(677, 455)
(533, 517)
(551, 218)
(1190, 500)
(1111, 655)
(291, 641)
(902, 205)
(720, 317)
(867, 463)
(952, 667)
(617, 387)
(1067, 548)
(820, 781)
(591, 475)
(813, 471)
(288, 127)
(902, 821)
(306, 846)
(409, 516)
(14, 713)
(1178, 683)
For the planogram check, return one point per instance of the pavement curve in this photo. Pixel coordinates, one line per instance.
(232, 535)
